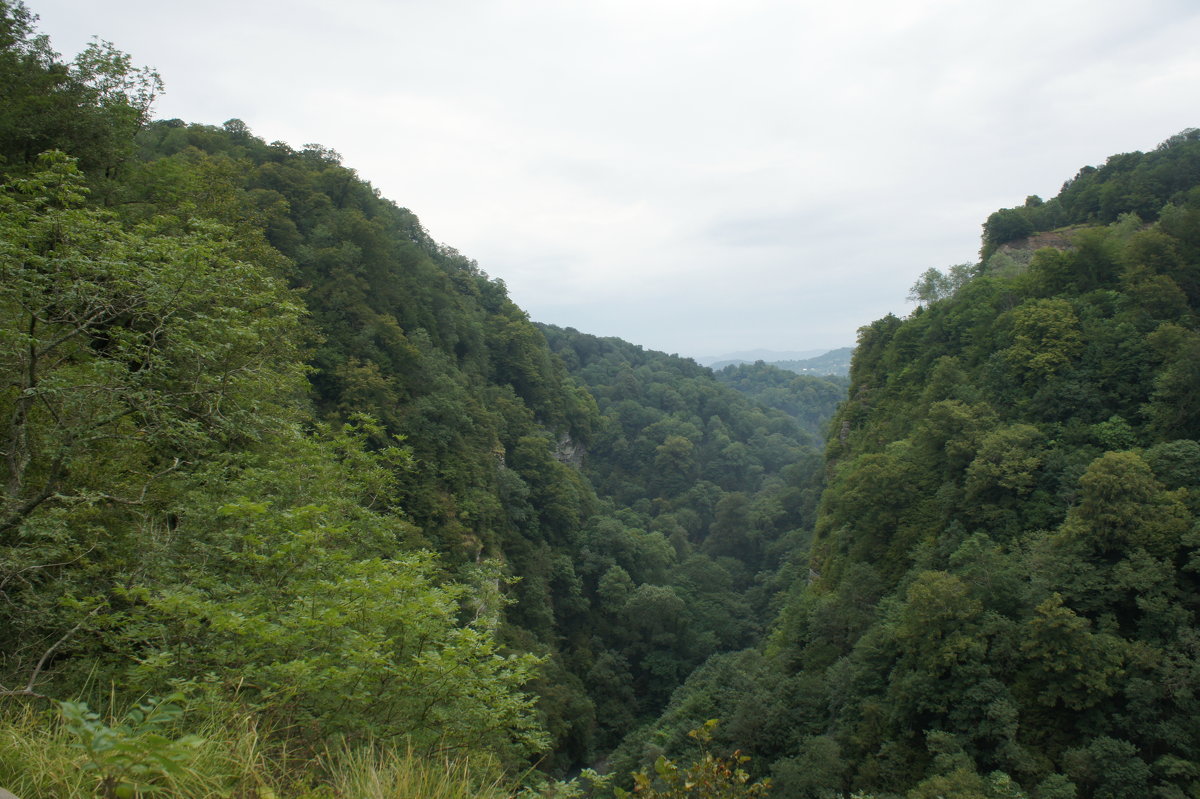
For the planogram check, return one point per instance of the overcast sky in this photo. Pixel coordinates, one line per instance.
(696, 176)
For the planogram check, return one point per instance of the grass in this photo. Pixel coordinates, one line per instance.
(390, 774)
(40, 759)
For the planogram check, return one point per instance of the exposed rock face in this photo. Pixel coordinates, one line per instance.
(1059, 239)
(567, 451)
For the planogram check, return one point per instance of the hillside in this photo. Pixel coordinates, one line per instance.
(811, 400)
(296, 500)
(1002, 590)
(274, 453)
(717, 362)
(834, 363)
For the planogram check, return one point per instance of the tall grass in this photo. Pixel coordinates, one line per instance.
(237, 760)
(390, 774)
(36, 763)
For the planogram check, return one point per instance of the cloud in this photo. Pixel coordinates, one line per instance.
(698, 176)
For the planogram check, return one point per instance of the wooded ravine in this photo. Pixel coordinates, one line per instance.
(296, 498)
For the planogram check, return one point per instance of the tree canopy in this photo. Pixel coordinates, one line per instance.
(271, 449)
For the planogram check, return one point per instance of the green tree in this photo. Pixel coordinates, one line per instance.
(1046, 338)
(674, 463)
(130, 353)
(129, 349)
(91, 107)
(311, 614)
(1008, 224)
(1123, 507)
(1008, 459)
(1067, 663)
(710, 777)
(935, 285)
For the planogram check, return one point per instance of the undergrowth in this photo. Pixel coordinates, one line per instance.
(70, 752)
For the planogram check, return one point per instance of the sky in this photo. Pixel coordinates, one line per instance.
(695, 176)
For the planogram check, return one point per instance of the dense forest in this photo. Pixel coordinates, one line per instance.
(1001, 593)
(275, 454)
(297, 500)
(811, 400)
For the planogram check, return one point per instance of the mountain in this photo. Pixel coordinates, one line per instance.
(834, 362)
(811, 400)
(281, 467)
(750, 356)
(274, 453)
(818, 362)
(1001, 594)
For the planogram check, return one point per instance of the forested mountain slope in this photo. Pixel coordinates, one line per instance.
(1002, 591)
(1127, 183)
(270, 448)
(728, 484)
(811, 400)
(269, 445)
(835, 362)
(192, 498)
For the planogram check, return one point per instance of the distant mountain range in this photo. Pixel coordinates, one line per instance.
(811, 362)
(750, 356)
(834, 362)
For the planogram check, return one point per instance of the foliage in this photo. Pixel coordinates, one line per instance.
(588, 783)
(1001, 593)
(935, 285)
(90, 107)
(171, 510)
(41, 759)
(265, 439)
(134, 757)
(1129, 183)
(1018, 564)
(307, 609)
(810, 400)
(710, 777)
(125, 343)
(714, 491)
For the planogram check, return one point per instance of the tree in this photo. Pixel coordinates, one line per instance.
(1174, 410)
(127, 350)
(302, 602)
(128, 354)
(935, 285)
(674, 464)
(1008, 224)
(1066, 663)
(1008, 459)
(1122, 507)
(91, 107)
(1046, 337)
(710, 777)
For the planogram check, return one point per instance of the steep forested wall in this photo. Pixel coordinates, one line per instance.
(718, 490)
(269, 443)
(177, 512)
(811, 400)
(1002, 590)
